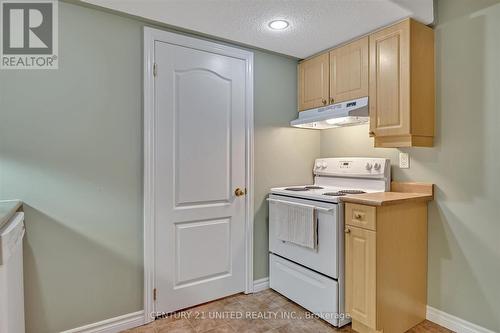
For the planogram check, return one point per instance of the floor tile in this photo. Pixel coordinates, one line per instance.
(142, 329)
(222, 329)
(248, 325)
(429, 327)
(263, 312)
(176, 326)
(206, 324)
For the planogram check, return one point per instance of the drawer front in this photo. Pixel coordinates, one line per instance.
(361, 216)
(315, 292)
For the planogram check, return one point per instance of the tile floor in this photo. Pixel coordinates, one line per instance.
(246, 314)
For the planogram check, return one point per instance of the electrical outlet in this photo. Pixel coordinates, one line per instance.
(404, 161)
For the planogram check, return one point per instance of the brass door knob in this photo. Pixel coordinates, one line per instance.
(239, 192)
(347, 230)
(332, 100)
(324, 102)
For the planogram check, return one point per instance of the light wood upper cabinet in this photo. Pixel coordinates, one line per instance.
(349, 71)
(394, 67)
(314, 82)
(337, 76)
(401, 89)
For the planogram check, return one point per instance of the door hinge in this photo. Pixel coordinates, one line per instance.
(154, 294)
(155, 69)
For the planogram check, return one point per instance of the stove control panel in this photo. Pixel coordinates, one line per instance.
(320, 165)
(353, 167)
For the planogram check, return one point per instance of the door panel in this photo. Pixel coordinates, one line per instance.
(361, 275)
(202, 134)
(389, 81)
(349, 71)
(314, 82)
(388, 87)
(200, 159)
(191, 247)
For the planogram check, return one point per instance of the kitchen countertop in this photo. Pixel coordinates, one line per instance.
(7, 209)
(400, 193)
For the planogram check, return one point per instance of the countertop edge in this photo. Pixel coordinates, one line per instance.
(401, 193)
(406, 198)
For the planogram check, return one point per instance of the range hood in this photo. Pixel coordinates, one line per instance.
(348, 113)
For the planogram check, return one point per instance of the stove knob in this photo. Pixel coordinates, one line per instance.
(368, 166)
(324, 165)
(377, 166)
(318, 165)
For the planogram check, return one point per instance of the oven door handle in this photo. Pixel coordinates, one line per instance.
(299, 204)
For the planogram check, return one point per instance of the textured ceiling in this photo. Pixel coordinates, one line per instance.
(315, 25)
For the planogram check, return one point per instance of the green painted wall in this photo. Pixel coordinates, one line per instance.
(71, 149)
(283, 155)
(464, 251)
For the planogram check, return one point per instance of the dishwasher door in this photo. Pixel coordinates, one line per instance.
(11, 276)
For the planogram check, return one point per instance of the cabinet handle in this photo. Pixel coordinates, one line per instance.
(372, 133)
(347, 230)
(332, 100)
(358, 216)
(324, 102)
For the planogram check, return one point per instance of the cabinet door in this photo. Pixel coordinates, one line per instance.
(390, 81)
(349, 71)
(314, 82)
(360, 275)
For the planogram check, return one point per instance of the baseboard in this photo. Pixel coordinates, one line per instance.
(260, 284)
(112, 325)
(453, 323)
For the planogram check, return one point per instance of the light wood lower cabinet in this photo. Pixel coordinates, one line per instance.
(360, 274)
(386, 266)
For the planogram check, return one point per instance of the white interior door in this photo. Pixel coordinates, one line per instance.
(199, 101)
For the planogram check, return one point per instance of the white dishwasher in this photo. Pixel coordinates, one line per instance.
(11, 275)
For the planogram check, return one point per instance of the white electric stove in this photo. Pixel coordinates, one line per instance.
(314, 278)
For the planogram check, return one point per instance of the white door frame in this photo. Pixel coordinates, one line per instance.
(150, 146)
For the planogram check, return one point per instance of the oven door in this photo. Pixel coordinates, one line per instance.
(325, 258)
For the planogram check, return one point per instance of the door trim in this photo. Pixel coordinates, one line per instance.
(150, 145)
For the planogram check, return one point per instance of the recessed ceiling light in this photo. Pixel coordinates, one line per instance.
(278, 24)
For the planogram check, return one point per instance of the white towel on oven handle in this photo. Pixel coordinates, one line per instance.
(296, 224)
